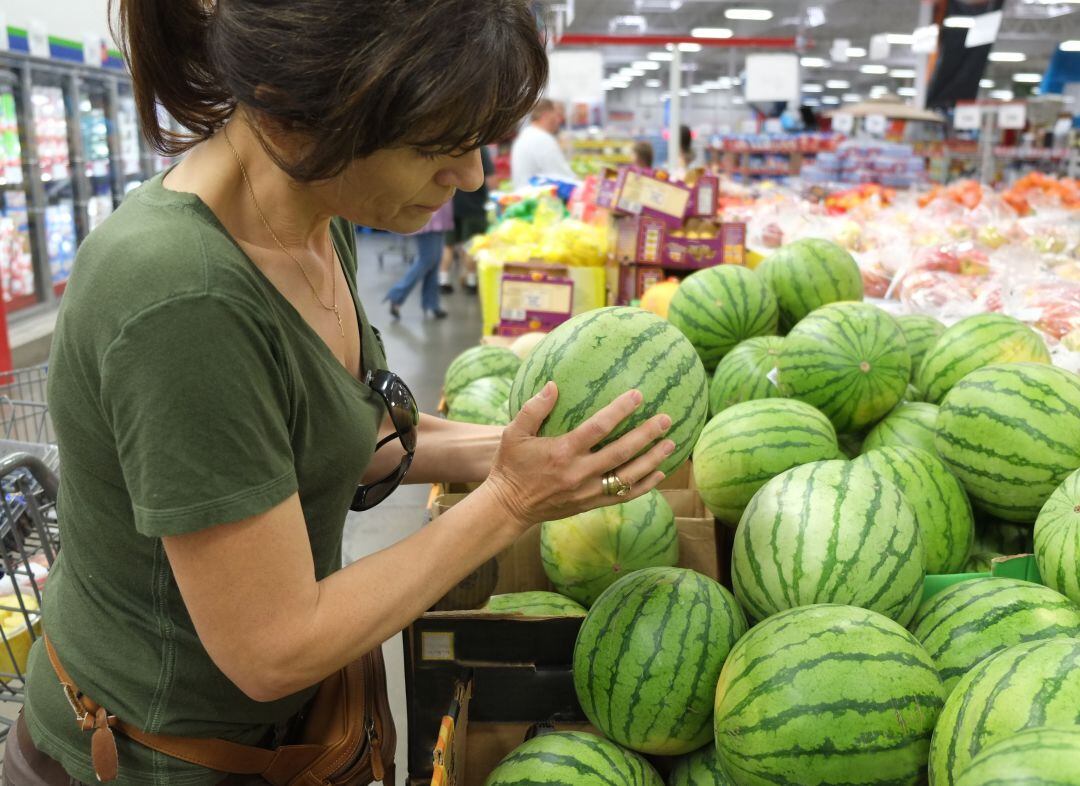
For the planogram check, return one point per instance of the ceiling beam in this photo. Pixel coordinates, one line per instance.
(596, 39)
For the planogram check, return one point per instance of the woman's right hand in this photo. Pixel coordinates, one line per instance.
(541, 479)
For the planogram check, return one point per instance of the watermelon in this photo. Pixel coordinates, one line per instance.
(485, 401)
(648, 656)
(597, 356)
(911, 425)
(940, 504)
(700, 768)
(1025, 686)
(971, 344)
(1011, 433)
(534, 604)
(572, 757)
(828, 532)
(849, 360)
(970, 621)
(827, 695)
(1057, 539)
(1044, 756)
(922, 332)
(980, 562)
(744, 374)
(584, 554)
(851, 445)
(808, 274)
(719, 307)
(747, 445)
(1002, 537)
(478, 363)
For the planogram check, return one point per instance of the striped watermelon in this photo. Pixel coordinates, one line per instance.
(485, 401)
(922, 332)
(849, 360)
(1011, 433)
(1026, 686)
(1057, 539)
(808, 274)
(572, 757)
(719, 307)
(1046, 756)
(534, 604)
(940, 504)
(980, 562)
(851, 445)
(1002, 537)
(827, 695)
(744, 374)
(828, 532)
(648, 656)
(911, 425)
(970, 621)
(599, 355)
(700, 768)
(585, 554)
(970, 344)
(478, 363)
(747, 445)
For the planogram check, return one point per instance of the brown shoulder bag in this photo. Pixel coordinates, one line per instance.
(346, 736)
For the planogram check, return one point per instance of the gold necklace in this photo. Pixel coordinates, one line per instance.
(289, 254)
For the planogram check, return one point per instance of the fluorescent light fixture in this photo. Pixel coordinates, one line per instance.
(749, 14)
(811, 102)
(1070, 46)
(646, 65)
(874, 69)
(902, 73)
(852, 98)
(711, 32)
(813, 62)
(837, 84)
(1007, 57)
(830, 100)
(1002, 95)
(684, 93)
(690, 47)
(986, 83)
(856, 52)
(812, 88)
(1028, 79)
(907, 92)
(959, 21)
(699, 90)
(877, 91)
(724, 83)
(738, 100)
(661, 57)
(635, 72)
(898, 39)
(653, 83)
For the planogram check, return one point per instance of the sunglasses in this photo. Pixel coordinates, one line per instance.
(405, 417)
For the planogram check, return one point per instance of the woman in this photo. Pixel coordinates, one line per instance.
(430, 244)
(209, 379)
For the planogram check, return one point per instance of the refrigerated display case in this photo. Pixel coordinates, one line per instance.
(97, 152)
(52, 129)
(129, 139)
(16, 260)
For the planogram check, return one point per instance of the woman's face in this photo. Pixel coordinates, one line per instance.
(399, 189)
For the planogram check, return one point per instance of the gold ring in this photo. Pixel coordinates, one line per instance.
(614, 486)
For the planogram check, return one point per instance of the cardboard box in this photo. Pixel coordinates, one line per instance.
(1020, 566)
(535, 297)
(633, 280)
(704, 197)
(645, 195)
(681, 253)
(637, 240)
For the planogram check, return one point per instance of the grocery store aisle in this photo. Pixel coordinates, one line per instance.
(419, 349)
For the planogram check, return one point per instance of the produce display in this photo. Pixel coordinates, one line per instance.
(1057, 539)
(910, 425)
(921, 332)
(1041, 755)
(534, 604)
(808, 274)
(700, 768)
(485, 401)
(746, 373)
(478, 363)
(573, 757)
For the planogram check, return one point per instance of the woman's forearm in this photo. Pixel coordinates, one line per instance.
(446, 452)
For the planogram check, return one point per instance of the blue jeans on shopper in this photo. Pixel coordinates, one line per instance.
(429, 250)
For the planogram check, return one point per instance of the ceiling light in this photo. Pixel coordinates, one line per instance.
(689, 47)
(1028, 79)
(837, 84)
(699, 89)
(907, 92)
(1002, 95)
(653, 83)
(874, 69)
(684, 93)
(856, 52)
(902, 73)
(959, 21)
(1070, 46)
(1007, 57)
(813, 62)
(852, 98)
(811, 102)
(987, 83)
(738, 100)
(812, 88)
(661, 57)
(877, 91)
(749, 14)
(710, 32)
(646, 65)
(830, 100)
(635, 72)
(897, 39)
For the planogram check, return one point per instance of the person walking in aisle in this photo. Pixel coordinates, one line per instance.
(430, 242)
(221, 400)
(536, 151)
(470, 220)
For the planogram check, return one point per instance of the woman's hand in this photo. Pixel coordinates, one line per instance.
(543, 479)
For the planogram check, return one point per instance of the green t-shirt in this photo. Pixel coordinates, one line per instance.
(186, 392)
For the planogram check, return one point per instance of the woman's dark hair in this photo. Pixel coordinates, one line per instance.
(351, 76)
(643, 154)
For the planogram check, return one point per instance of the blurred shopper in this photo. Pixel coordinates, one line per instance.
(643, 154)
(470, 220)
(536, 151)
(430, 242)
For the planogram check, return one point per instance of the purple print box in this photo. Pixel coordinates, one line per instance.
(693, 254)
(638, 240)
(534, 299)
(705, 197)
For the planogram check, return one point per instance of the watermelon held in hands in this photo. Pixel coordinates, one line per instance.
(849, 360)
(968, 622)
(597, 356)
(573, 757)
(1057, 539)
(1011, 433)
(921, 332)
(534, 604)
(719, 307)
(648, 656)
(585, 554)
(700, 768)
(971, 344)
(827, 694)
(485, 401)
(749, 444)
(941, 506)
(1040, 756)
(478, 363)
(1024, 686)
(829, 532)
(746, 373)
(808, 274)
(910, 425)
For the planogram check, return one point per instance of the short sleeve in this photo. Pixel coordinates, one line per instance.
(197, 399)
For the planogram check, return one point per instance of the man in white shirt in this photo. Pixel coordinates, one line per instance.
(536, 151)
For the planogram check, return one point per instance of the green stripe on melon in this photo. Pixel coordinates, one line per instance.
(970, 344)
(1026, 686)
(828, 532)
(585, 554)
(485, 401)
(1057, 539)
(719, 307)
(1046, 756)
(748, 444)
(808, 274)
(941, 506)
(534, 604)
(849, 360)
(827, 695)
(922, 332)
(747, 373)
(1011, 433)
(970, 621)
(599, 355)
(911, 425)
(648, 656)
(478, 363)
(572, 757)
(700, 768)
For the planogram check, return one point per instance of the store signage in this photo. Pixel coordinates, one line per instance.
(4, 43)
(576, 76)
(839, 53)
(968, 117)
(772, 77)
(843, 123)
(1063, 126)
(880, 47)
(92, 49)
(985, 29)
(926, 40)
(1012, 117)
(877, 124)
(37, 39)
